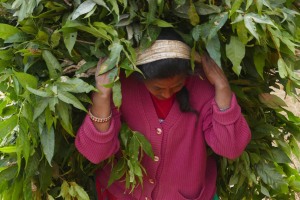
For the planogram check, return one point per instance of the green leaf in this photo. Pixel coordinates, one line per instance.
(86, 66)
(32, 165)
(196, 32)
(64, 190)
(117, 95)
(97, 32)
(75, 85)
(276, 36)
(24, 141)
(236, 5)
(214, 49)
(261, 19)
(114, 3)
(216, 23)
(8, 125)
(64, 116)
(152, 11)
(249, 3)
(242, 32)
(259, 5)
(9, 173)
(280, 156)
(259, 62)
(42, 37)
(286, 39)
(162, 23)
(7, 31)
(45, 178)
(131, 173)
(40, 92)
(83, 8)
(81, 193)
(26, 9)
(114, 56)
(26, 80)
(118, 171)
(235, 51)
(205, 9)
(17, 189)
(145, 144)
(125, 134)
(264, 191)
(48, 143)
(102, 3)
(27, 111)
(71, 99)
(193, 15)
(8, 149)
(49, 197)
(52, 64)
(70, 40)
(55, 38)
(250, 25)
(49, 118)
(282, 68)
(270, 175)
(271, 100)
(6, 54)
(108, 28)
(40, 106)
(137, 169)
(295, 147)
(133, 148)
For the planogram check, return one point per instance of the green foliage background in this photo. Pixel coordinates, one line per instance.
(47, 51)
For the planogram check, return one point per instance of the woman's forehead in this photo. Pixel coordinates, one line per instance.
(167, 82)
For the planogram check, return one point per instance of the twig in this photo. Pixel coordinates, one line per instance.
(68, 3)
(85, 42)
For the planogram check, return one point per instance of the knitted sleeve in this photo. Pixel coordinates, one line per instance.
(226, 132)
(97, 146)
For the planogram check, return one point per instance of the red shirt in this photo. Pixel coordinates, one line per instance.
(162, 107)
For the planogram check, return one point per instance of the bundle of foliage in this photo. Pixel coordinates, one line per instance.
(48, 50)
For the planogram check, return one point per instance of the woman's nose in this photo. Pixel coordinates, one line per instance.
(167, 94)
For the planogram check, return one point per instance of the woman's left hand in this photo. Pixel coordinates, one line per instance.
(216, 77)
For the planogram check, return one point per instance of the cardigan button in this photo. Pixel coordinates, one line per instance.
(156, 158)
(146, 198)
(151, 181)
(158, 131)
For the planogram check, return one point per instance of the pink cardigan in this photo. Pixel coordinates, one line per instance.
(182, 170)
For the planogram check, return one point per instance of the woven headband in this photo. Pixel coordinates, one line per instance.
(162, 49)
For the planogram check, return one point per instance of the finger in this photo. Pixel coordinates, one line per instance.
(213, 72)
(99, 64)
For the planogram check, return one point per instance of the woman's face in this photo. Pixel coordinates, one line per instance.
(165, 88)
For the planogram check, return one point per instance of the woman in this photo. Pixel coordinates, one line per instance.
(178, 112)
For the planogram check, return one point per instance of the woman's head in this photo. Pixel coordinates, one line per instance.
(165, 66)
(166, 58)
(166, 76)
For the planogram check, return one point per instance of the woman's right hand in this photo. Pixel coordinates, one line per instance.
(101, 107)
(102, 80)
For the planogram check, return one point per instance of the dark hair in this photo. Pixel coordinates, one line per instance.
(170, 67)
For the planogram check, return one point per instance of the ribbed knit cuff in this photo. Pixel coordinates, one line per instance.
(94, 134)
(230, 115)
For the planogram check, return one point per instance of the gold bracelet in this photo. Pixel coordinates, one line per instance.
(99, 120)
(224, 109)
